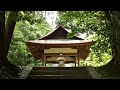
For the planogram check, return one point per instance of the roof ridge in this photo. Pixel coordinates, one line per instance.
(55, 30)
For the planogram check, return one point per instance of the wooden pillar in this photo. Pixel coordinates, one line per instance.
(75, 60)
(43, 59)
(78, 60)
(78, 56)
(75, 64)
(42, 52)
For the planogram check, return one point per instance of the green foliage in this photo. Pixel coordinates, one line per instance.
(96, 60)
(24, 31)
(30, 16)
(109, 71)
(91, 23)
(31, 25)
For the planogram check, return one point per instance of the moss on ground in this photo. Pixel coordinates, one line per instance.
(109, 71)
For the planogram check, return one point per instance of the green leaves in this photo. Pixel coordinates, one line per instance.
(92, 23)
(30, 16)
(24, 31)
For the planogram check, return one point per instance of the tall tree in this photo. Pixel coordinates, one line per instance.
(105, 24)
(112, 19)
(7, 24)
(2, 36)
(6, 32)
(92, 23)
(18, 52)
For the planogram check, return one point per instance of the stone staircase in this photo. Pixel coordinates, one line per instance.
(59, 73)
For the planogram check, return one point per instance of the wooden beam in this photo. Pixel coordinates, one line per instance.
(58, 54)
(34, 43)
(55, 62)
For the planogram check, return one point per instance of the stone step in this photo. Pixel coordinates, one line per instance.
(59, 72)
(60, 77)
(59, 68)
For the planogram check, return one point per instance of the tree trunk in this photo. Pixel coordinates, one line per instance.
(2, 35)
(6, 35)
(115, 47)
(114, 54)
(10, 25)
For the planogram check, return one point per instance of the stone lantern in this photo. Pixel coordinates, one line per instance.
(61, 61)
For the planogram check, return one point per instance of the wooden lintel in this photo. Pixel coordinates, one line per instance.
(55, 62)
(58, 54)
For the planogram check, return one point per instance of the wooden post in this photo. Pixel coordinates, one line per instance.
(42, 48)
(43, 59)
(75, 60)
(78, 60)
(78, 56)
